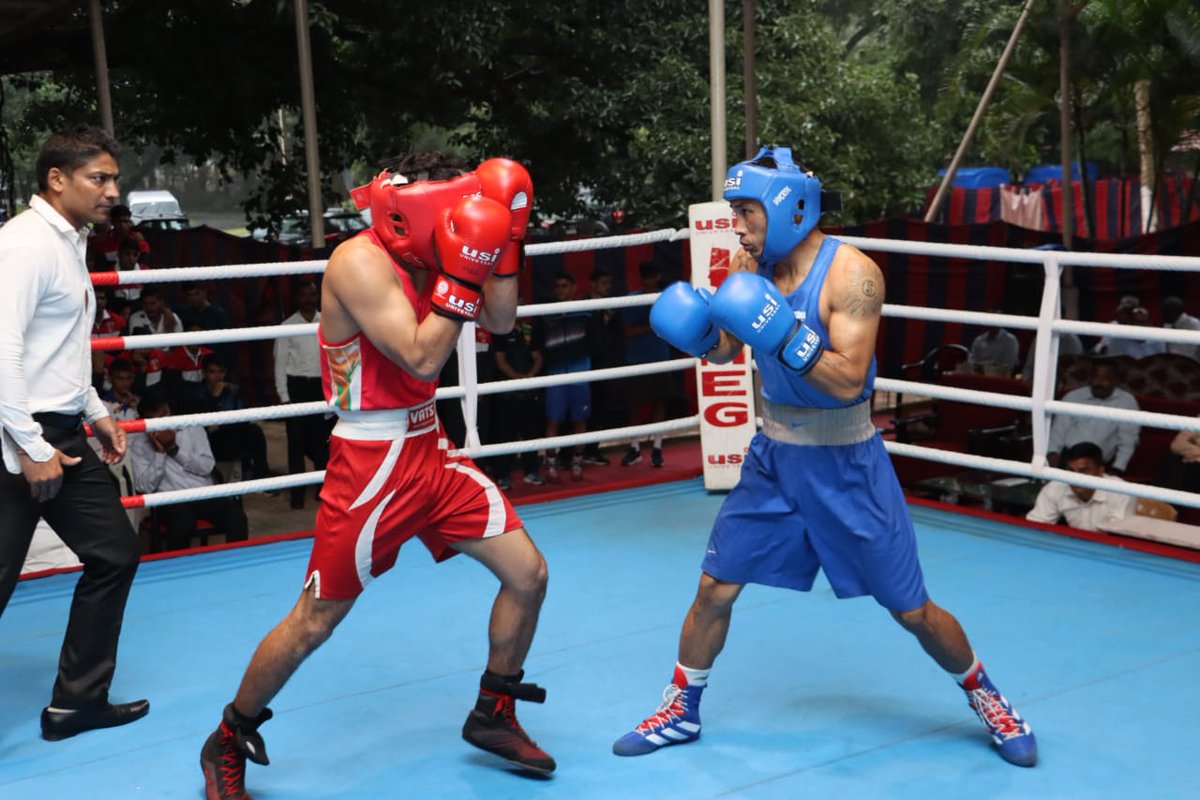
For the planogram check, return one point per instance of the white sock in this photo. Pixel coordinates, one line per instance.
(635, 447)
(658, 442)
(695, 677)
(961, 677)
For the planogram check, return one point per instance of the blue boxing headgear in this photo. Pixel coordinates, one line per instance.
(790, 195)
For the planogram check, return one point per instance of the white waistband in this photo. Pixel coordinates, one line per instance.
(818, 426)
(387, 424)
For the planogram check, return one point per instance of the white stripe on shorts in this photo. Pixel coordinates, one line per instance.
(364, 546)
(496, 515)
(381, 474)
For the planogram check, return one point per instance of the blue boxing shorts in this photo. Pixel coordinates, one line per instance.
(836, 507)
(572, 401)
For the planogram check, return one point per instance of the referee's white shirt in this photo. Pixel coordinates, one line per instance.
(296, 355)
(47, 307)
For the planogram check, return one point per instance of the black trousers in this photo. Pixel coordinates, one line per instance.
(87, 515)
(306, 436)
(244, 441)
(179, 519)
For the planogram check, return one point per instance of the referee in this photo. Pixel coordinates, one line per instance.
(47, 306)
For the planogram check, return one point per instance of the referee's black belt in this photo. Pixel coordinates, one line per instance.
(55, 419)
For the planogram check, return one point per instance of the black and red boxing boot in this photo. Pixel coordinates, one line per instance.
(223, 757)
(492, 725)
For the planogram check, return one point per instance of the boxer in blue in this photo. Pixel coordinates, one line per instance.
(817, 489)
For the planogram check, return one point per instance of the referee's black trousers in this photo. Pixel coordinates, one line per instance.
(87, 515)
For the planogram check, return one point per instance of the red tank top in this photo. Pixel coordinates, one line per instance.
(356, 376)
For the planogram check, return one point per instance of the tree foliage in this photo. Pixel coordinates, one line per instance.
(609, 102)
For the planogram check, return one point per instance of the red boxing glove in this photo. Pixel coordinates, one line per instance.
(468, 242)
(509, 183)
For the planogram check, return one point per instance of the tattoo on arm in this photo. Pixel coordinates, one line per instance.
(865, 297)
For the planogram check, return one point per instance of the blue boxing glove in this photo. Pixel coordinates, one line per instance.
(680, 316)
(752, 309)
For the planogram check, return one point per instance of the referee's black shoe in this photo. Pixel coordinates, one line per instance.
(60, 724)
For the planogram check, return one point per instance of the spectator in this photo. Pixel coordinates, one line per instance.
(566, 351)
(106, 323)
(1135, 348)
(606, 348)
(1068, 345)
(154, 316)
(1082, 508)
(519, 414)
(186, 363)
(104, 245)
(1122, 316)
(1175, 317)
(122, 403)
(995, 351)
(1180, 468)
(198, 309)
(238, 441)
(127, 296)
(147, 368)
(169, 460)
(298, 380)
(1116, 440)
(644, 347)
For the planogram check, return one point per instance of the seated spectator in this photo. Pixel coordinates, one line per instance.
(147, 368)
(1175, 317)
(1117, 440)
(642, 346)
(154, 316)
(189, 360)
(243, 441)
(120, 400)
(1068, 345)
(1180, 468)
(207, 315)
(128, 296)
(168, 460)
(995, 351)
(1136, 348)
(1082, 508)
(1123, 316)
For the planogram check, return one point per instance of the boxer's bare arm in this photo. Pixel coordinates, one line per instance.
(361, 293)
(499, 304)
(853, 294)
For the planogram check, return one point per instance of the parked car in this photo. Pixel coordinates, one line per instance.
(153, 204)
(179, 223)
(340, 225)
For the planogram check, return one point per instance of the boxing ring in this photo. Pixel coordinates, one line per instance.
(1097, 646)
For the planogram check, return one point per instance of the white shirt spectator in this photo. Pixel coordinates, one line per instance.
(1068, 345)
(1134, 348)
(296, 355)
(1002, 348)
(139, 319)
(1117, 440)
(190, 468)
(1056, 500)
(47, 307)
(1185, 322)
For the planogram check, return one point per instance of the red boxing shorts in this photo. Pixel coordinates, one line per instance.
(389, 478)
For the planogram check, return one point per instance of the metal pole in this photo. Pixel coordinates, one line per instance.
(716, 67)
(308, 107)
(100, 55)
(961, 153)
(748, 80)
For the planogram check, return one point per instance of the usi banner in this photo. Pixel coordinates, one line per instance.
(724, 392)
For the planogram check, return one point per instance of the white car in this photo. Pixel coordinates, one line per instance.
(153, 204)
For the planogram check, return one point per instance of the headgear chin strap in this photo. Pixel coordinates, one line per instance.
(403, 213)
(790, 195)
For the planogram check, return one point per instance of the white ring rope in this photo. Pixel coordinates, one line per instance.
(1042, 324)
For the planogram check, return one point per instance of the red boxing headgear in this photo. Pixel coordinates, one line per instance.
(403, 214)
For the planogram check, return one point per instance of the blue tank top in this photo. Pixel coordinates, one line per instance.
(782, 385)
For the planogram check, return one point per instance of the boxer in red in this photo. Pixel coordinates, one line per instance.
(440, 253)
